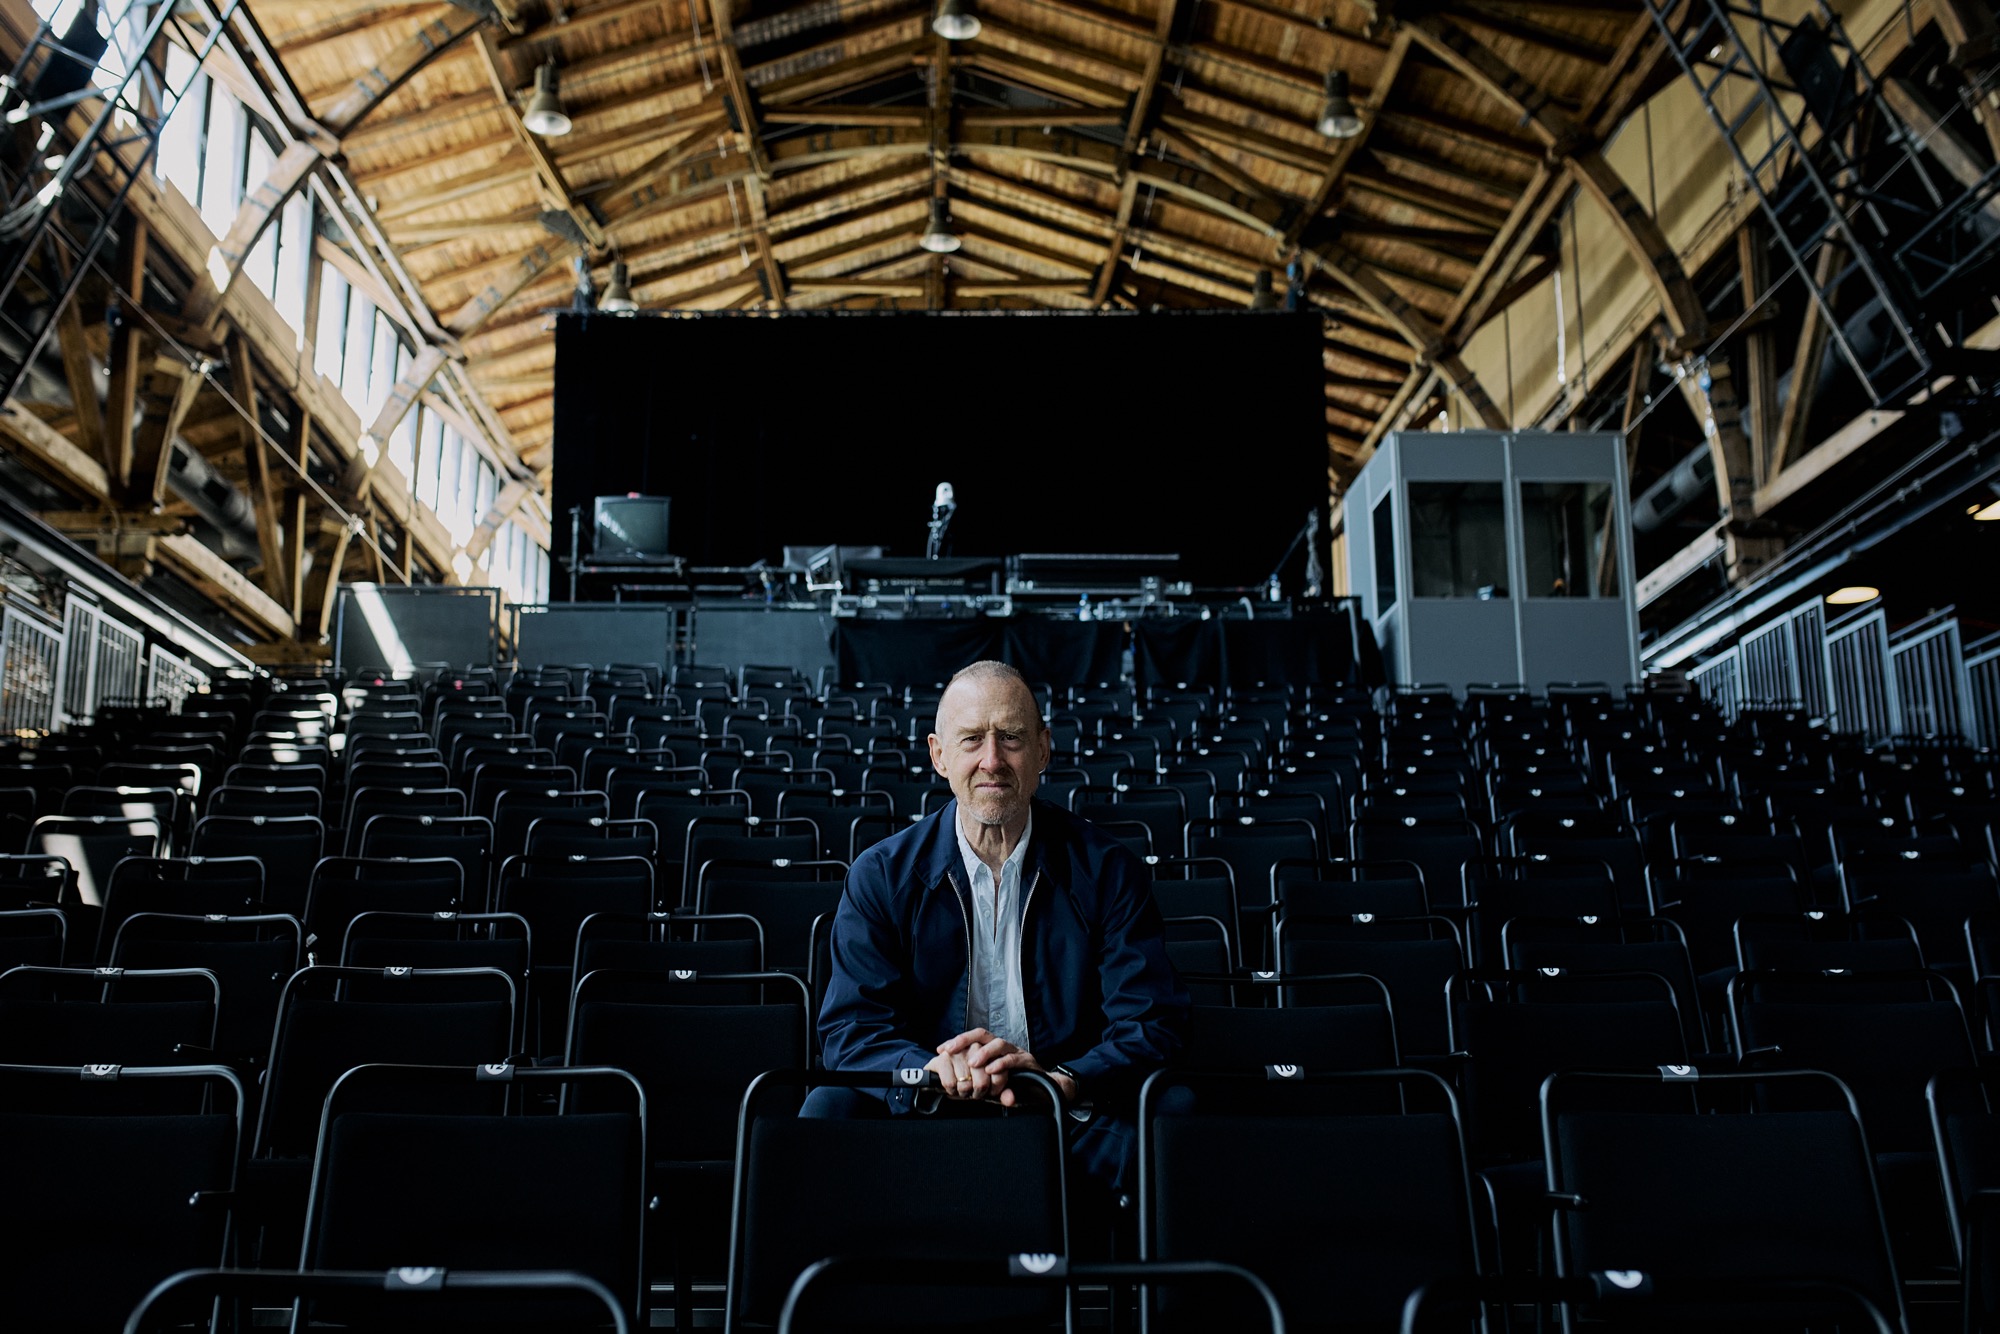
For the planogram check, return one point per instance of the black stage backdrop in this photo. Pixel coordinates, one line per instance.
(1196, 433)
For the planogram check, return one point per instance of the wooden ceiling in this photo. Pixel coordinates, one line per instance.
(768, 154)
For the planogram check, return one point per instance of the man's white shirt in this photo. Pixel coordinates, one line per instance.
(996, 999)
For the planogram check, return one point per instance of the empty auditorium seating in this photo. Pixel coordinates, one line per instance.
(1457, 965)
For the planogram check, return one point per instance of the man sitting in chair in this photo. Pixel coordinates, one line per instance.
(1002, 934)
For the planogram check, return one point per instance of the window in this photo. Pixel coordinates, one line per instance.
(1383, 523)
(261, 266)
(330, 338)
(222, 163)
(1566, 540)
(430, 453)
(382, 370)
(1458, 540)
(179, 158)
(294, 260)
(360, 345)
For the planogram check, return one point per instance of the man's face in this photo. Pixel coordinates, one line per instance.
(991, 747)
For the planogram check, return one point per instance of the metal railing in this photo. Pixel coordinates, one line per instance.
(1720, 681)
(171, 679)
(30, 668)
(1982, 689)
(1929, 666)
(99, 661)
(1862, 689)
(1919, 681)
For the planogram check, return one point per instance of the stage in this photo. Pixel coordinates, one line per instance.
(1240, 646)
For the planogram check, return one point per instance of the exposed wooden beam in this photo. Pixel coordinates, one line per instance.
(834, 114)
(553, 185)
(80, 373)
(1814, 333)
(301, 157)
(257, 470)
(1929, 126)
(52, 454)
(739, 102)
(1345, 149)
(187, 557)
(1415, 326)
(1760, 354)
(1712, 397)
(129, 351)
(1228, 173)
(1480, 297)
(1569, 143)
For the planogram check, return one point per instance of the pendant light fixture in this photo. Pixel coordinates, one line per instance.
(1261, 295)
(545, 115)
(1337, 117)
(617, 298)
(955, 21)
(939, 238)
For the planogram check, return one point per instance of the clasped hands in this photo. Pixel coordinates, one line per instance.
(975, 1066)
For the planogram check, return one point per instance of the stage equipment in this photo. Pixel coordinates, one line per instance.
(631, 529)
(942, 508)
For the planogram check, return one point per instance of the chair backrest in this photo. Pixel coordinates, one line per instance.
(114, 1195)
(324, 1029)
(345, 886)
(668, 942)
(33, 936)
(81, 1016)
(1686, 1183)
(1351, 1027)
(231, 886)
(93, 845)
(783, 896)
(1884, 1050)
(1360, 1186)
(274, 798)
(789, 1166)
(289, 846)
(467, 839)
(1521, 1028)
(489, 1188)
(555, 895)
(695, 1058)
(591, 836)
(250, 956)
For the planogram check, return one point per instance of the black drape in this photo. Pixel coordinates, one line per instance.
(1066, 653)
(1177, 652)
(913, 653)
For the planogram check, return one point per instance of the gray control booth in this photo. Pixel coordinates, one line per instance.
(1490, 556)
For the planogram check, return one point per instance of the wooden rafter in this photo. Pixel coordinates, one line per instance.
(1569, 143)
(369, 89)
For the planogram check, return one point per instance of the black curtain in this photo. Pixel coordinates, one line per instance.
(1309, 649)
(1067, 653)
(913, 653)
(1177, 652)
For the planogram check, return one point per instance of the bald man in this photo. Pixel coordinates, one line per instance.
(1002, 934)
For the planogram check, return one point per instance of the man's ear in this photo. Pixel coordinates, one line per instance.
(937, 755)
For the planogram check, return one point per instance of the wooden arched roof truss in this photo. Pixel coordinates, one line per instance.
(738, 154)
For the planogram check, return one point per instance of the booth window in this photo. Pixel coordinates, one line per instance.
(1381, 524)
(1568, 545)
(1458, 540)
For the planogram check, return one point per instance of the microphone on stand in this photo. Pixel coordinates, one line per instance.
(943, 506)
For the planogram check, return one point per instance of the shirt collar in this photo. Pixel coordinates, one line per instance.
(1015, 859)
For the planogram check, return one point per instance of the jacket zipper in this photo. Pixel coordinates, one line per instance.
(965, 918)
(1021, 954)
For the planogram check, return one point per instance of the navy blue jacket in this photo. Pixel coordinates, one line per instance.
(1101, 997)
